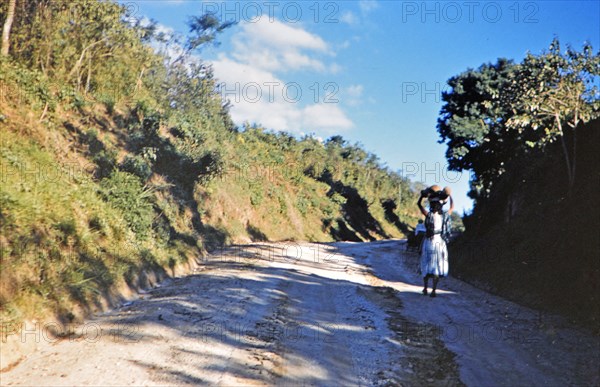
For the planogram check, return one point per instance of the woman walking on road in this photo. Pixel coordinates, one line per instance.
(434, 252)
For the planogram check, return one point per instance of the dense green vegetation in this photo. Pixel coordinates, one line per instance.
(119, 160)
(528, 132)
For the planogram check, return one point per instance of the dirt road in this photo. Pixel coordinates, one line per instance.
(308, 314)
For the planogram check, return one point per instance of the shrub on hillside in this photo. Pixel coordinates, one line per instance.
(138, 166)
(125, 192)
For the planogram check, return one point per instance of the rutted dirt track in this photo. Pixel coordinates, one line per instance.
(308, 314)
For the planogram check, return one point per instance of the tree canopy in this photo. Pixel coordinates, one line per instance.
(495, 113)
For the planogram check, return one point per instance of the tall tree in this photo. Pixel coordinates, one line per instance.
(472, 124)
(554, 94)
(10, 16)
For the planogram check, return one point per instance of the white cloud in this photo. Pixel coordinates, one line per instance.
(275, 46)
(248, 78)
(355, 19)
(349, 17)
(172, 50)
(163, 29)
(280, 35)
(259, 96)
(354, 93)
(367, 6)
(344, 45)
(355, 90)
(335, 68)
(231, 71)
(326, 116)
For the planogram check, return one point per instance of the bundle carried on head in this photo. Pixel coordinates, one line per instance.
(435, 193)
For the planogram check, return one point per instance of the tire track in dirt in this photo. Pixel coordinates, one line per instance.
(495, 341)
(425, 359)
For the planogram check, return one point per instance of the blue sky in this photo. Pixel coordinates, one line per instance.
(371, 71)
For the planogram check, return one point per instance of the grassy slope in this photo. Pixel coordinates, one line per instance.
(67, 251)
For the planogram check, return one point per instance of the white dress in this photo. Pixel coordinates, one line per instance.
(434, 253)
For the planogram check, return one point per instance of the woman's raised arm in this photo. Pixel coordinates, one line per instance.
(423, 210)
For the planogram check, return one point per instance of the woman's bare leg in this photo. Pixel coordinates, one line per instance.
(425, 282)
